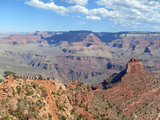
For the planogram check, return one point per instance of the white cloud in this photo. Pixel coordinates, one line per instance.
(133, 12)
(48, 6)
(82, 23)
(77, 9)
(92, 17)
(77, 2)
(124, 12)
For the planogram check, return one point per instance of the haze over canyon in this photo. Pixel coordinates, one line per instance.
(85, 56)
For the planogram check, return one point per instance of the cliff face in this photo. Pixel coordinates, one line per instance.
(137, 41)
(23, 39)
(134, 66)
(134, 96)
(90, 40)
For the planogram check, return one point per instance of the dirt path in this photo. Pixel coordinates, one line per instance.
(48, 86)
(82, 111)
(51, 103)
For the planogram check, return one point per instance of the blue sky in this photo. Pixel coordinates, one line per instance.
(66, 15)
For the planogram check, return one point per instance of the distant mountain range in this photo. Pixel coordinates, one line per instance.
(81, 55)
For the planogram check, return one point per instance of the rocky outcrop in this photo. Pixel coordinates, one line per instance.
(137, 40)
(23, 39)
(135, 96)
(90, 40)
(134, 66)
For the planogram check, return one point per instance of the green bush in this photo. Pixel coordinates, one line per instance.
(13, 92)
(80, 117)
(35, 86)
(5, 118)
(81, 104)
(72, 111)
(76, 102)
(88, 86)
(19, 89)
(63, 117)
(50, 116)
(1, 80)
(86, 108)
(60, 107)
(29, 93)
(9, 73)
(53, 93)
(40, 104)
(44, 92)
(4, 101)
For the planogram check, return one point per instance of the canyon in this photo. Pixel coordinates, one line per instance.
(130, 94)
(86, 56)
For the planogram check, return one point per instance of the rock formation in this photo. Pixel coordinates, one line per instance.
(136, 96)
(80, 55)
(134, 66)
(136, 40)
(90, 40)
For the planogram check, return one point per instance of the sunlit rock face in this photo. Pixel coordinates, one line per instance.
(134, 66)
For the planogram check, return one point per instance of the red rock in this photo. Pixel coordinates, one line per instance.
(134, 66)
(90, 40)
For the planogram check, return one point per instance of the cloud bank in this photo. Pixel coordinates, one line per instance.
(78, 2)
(124, 12)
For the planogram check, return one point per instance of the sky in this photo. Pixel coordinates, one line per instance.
(67, 15)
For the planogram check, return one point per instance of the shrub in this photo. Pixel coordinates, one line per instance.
(88, 86)
(5, 101)
(63, 117)
(73, 111)
(59, 106)
(5, 118)
(13, 92)
(53, 93)
(44, 93)
(39, 103)
(29, 93)
(9, 73)
(81, 104)
(35, 86)
(40, 77)
(76, 102)
(80, 117)
(19, 89)
(86, 108)
(50, 116)
(1, 80)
